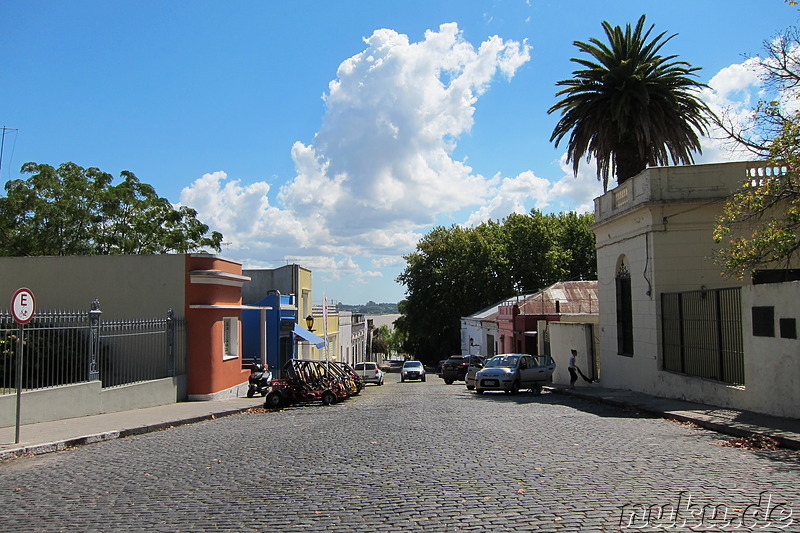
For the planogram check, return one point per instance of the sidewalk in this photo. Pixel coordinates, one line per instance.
(47, 437)
(786, 431)
(54, 436)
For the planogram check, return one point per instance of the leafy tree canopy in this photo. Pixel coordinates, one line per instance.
(73, 210)
(457, 271)
(760, 223)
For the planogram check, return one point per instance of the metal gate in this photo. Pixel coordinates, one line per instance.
(702, 334)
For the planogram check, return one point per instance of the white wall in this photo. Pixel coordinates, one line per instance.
(345, 347)
(471, 329)
(772, 364)
(564, 337)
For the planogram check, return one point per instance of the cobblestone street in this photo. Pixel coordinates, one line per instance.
(410, 457)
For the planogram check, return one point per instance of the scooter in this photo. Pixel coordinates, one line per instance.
(260, 380)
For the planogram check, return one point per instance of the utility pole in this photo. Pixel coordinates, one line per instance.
(2, 144)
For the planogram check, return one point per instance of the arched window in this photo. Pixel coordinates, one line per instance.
(624, 310)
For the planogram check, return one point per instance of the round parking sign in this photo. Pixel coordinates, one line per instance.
(23, 306)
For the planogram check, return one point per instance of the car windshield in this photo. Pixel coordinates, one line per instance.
(365, 366)
(507, 361)
(412, 364)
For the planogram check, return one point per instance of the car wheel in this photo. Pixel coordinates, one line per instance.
(402, 379)
(423, 378)
(328, 397)
(470, 387)
(273, 400)
(478, 391)
(536, 390)
(251, 393)
(448, 382)
(514, 388)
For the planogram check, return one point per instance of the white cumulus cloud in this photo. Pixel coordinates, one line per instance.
(380, 169)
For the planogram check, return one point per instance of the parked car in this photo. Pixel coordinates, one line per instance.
(512, 372)
(456, 366)
(439, 367)
(472, 370)
(369, 372)
(412, 370)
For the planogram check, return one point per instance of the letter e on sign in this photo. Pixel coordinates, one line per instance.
(23, 306)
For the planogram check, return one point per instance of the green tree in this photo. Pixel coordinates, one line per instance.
(760, 223)
(576, 241)
(75, 211)
(457, 271)
(381, 340)
(630, 107)
(543, 249)
(453, 272)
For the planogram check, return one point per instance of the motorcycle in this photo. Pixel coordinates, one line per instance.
(260, 380)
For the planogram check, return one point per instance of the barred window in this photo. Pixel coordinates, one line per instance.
(624, 311)
(230, 337)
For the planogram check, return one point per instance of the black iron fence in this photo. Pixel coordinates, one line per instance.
(67, 347)
(702, 334)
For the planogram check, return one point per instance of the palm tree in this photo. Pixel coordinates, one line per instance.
(630, 107)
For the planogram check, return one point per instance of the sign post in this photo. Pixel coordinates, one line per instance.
(23, 308)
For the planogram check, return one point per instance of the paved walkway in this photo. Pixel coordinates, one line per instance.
(786, 431)
(54, 436)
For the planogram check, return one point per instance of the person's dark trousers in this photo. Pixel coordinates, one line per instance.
(573, 377)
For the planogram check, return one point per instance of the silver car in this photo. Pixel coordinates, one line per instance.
(512, 372)
(412, 370)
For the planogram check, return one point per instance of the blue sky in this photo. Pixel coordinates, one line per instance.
(336, 134)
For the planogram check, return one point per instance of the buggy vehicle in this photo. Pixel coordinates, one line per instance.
(307, 381)
(349, 377)
(514, 371)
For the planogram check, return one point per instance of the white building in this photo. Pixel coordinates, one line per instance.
(670, 324)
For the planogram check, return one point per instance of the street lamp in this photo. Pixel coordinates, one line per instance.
(310, 323)
(471, 344)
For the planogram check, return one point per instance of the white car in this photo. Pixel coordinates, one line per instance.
(514, 371)
(475, 364)
(369, 372)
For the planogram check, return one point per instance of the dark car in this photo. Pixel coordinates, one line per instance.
(455, 368)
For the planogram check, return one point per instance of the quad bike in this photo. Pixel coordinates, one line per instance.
(306, 381)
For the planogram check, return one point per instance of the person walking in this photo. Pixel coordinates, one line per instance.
(573, 375)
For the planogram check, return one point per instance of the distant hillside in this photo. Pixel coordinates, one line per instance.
(370, 308)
